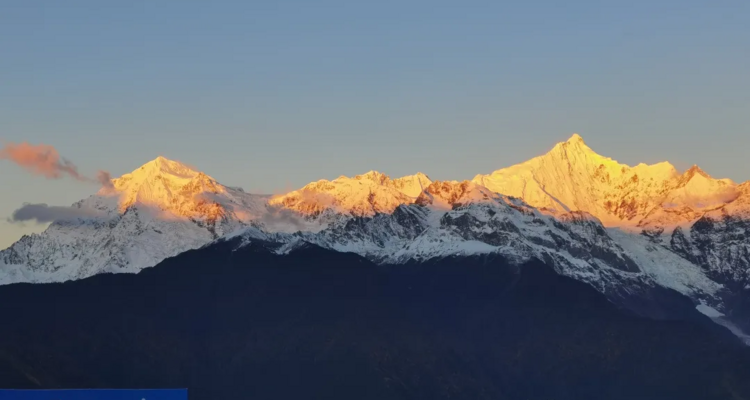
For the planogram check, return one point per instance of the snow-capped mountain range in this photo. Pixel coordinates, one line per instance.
(622, 229)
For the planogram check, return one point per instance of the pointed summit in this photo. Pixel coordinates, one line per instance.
(574, 144)
(573, 177)
(576, 138)
(699, 180)
(170, 186)
(572, 149)
(696, 176)
(163, 165)
(412, 185)
(696, 170)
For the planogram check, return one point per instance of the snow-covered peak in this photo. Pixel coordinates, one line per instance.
(573, 177)
(156, 181)
(697, 189)
(695, 170)
(574, 144)
(689, 196)
(179, 190)
(162, 166)
(363, 195)
(159, 210)
(375, 176)
(701, 180)
(575, 138)
(412, 185)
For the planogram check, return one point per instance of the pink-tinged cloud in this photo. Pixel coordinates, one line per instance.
(44, 160)
(41, 160)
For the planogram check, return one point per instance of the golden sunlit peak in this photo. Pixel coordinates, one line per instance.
(576, 138)
(162, 164)
(161, 160)
(695, 169)
(574, 143)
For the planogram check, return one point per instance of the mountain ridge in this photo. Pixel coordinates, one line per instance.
(362, 195)
(602, 222)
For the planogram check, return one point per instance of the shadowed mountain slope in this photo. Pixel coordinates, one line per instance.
(242, 322)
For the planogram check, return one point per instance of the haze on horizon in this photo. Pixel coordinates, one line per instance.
(270, 97)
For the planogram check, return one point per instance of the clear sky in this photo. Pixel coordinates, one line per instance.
(270, 95)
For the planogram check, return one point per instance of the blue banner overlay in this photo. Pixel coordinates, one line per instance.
(95, 394)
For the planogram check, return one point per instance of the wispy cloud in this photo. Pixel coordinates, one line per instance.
(43, 213)
(44, 160)
(276, 216)
(105, 179)
(41, 160)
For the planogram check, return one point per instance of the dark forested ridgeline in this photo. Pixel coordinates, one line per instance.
(245, 323)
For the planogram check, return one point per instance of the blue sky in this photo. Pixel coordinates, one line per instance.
(271, 95)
